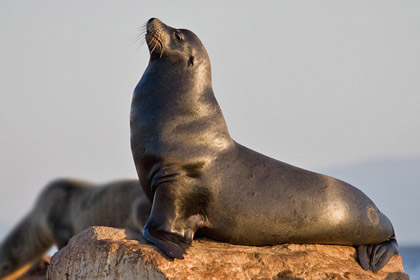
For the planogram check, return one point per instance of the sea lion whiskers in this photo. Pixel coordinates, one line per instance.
(158, 38)
(154, 36)
(142, 27)
(161, 51)
(140, 36)
(156, 42)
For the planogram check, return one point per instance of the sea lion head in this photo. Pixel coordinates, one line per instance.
(180, 47)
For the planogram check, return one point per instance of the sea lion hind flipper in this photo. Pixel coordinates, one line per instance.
(363, 256)
(375, 257)
(171, 244)
(382, 253)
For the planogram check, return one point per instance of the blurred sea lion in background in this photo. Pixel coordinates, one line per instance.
(64, 208)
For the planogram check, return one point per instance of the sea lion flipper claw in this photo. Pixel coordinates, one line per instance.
(171, 244)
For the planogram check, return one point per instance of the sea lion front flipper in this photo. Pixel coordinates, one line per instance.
(171, 227)
(375, 257)
(172, 244)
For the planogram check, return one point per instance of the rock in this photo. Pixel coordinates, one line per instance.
(109, 253)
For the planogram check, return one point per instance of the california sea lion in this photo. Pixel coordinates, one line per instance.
(66, 207)
(200, 180)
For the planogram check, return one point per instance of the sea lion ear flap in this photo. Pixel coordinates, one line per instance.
(191, 61)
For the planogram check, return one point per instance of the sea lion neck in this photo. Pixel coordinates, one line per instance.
(177, 78)
(185, 91)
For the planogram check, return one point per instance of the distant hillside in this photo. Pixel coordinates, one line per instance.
(394, 186)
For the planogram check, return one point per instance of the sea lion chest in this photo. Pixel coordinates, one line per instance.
(175, 124)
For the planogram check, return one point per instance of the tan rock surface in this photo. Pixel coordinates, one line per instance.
(108, 253)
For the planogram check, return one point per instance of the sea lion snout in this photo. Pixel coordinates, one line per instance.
(151, 19)
(155, 36)
(153, 23)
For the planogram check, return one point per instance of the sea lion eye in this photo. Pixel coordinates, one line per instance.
(179, 36)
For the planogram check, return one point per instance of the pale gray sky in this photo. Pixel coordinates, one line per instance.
(317, 84)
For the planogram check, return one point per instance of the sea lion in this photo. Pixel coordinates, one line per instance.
(201, 180)
(66, 207)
